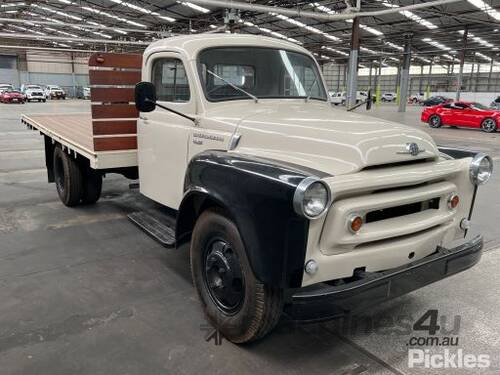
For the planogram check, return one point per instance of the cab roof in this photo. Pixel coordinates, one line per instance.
(192, 44)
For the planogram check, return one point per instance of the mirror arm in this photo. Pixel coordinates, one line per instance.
(171, 110)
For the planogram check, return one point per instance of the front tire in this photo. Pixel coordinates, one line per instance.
(435, 121)
(489, 125)
(241, 307)
(68, 178)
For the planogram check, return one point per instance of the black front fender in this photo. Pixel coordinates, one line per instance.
(257, 194)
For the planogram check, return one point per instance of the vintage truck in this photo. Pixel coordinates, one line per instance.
(289, 205)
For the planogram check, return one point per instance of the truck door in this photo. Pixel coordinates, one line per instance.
(163, 136)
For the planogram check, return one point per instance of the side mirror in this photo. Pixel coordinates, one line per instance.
(369, 100)
(145, 97)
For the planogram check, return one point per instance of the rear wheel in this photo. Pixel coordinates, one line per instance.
(68, 178)
(241, 307)
(92, 186)
(489, 125)
(435, 121)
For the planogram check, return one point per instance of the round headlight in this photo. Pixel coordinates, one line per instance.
(481, 168)
(312, 198)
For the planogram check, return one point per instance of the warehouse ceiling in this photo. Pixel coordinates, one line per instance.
(436, 33)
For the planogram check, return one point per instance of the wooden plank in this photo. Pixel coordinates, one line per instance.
(110, 77)
(114, 111)
(117, 60)
(114, 127)
(115, 143)
(112, 95)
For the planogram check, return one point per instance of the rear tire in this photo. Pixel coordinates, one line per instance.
(241, 307)
(68, 178)
(489, 125)
(435, 121)
(92, 186)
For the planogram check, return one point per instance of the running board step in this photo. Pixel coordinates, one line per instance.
(164, 234)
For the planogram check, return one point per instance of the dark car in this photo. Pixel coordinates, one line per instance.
(12, 96)
(435, 100)
(495, 103)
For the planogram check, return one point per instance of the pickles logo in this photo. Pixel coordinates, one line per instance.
(447, 359)
(433, 323)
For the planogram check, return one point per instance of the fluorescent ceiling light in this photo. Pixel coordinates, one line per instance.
(63, 14)
(368, 50)
(121, 19)
(323, 8)
(485, 8)
(335, 50)
(304, 26)
(477, 39)
(268, 31)
(143, 10)
(395, 46)
(194, 6)
(436, 44)
(410, 15)
(10, 5)
(213, 26)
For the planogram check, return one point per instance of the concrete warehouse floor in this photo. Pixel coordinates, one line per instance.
(83, 291)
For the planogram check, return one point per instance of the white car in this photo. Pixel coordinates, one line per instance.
(340, 97)
(416, 98)
(5, 87)
(33, 92)
(86, 93)
(54, 92)
(388, 96)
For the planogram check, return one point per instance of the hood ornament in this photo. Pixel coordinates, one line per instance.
(412, 149)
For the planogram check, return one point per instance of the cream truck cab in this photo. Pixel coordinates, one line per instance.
(288, 204)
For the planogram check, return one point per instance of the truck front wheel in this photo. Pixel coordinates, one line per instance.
(241, 307)
(68, 178)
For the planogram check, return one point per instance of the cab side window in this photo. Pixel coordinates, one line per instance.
(169, 77)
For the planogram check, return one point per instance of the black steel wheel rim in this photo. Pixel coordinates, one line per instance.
(59, 173)
(223, 276)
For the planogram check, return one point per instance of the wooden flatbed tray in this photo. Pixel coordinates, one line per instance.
(75, 131)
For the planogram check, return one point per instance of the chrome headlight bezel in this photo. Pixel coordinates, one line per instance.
(475, 168)
(300, 192)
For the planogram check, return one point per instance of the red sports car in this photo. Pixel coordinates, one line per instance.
(466, 114)
(12, 96)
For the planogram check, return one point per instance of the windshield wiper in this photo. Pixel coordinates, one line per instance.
(234, 86)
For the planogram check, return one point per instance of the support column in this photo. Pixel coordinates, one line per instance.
(429, 77)
(73, 78)
(352, 78)
(489, 75)
(462, 61)
(404, 77)
(421, 78)
(370, 76)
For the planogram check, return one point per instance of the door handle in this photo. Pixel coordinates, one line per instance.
(143, 118)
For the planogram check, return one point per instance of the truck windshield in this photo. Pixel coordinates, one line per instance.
(262, 72)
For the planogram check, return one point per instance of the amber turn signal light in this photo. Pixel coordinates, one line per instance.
(355, 223)
(453, 201)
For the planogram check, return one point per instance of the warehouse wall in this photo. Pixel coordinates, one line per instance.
(70, 71)
(472, 81)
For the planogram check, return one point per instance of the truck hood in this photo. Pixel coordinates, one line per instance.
(317, 136)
